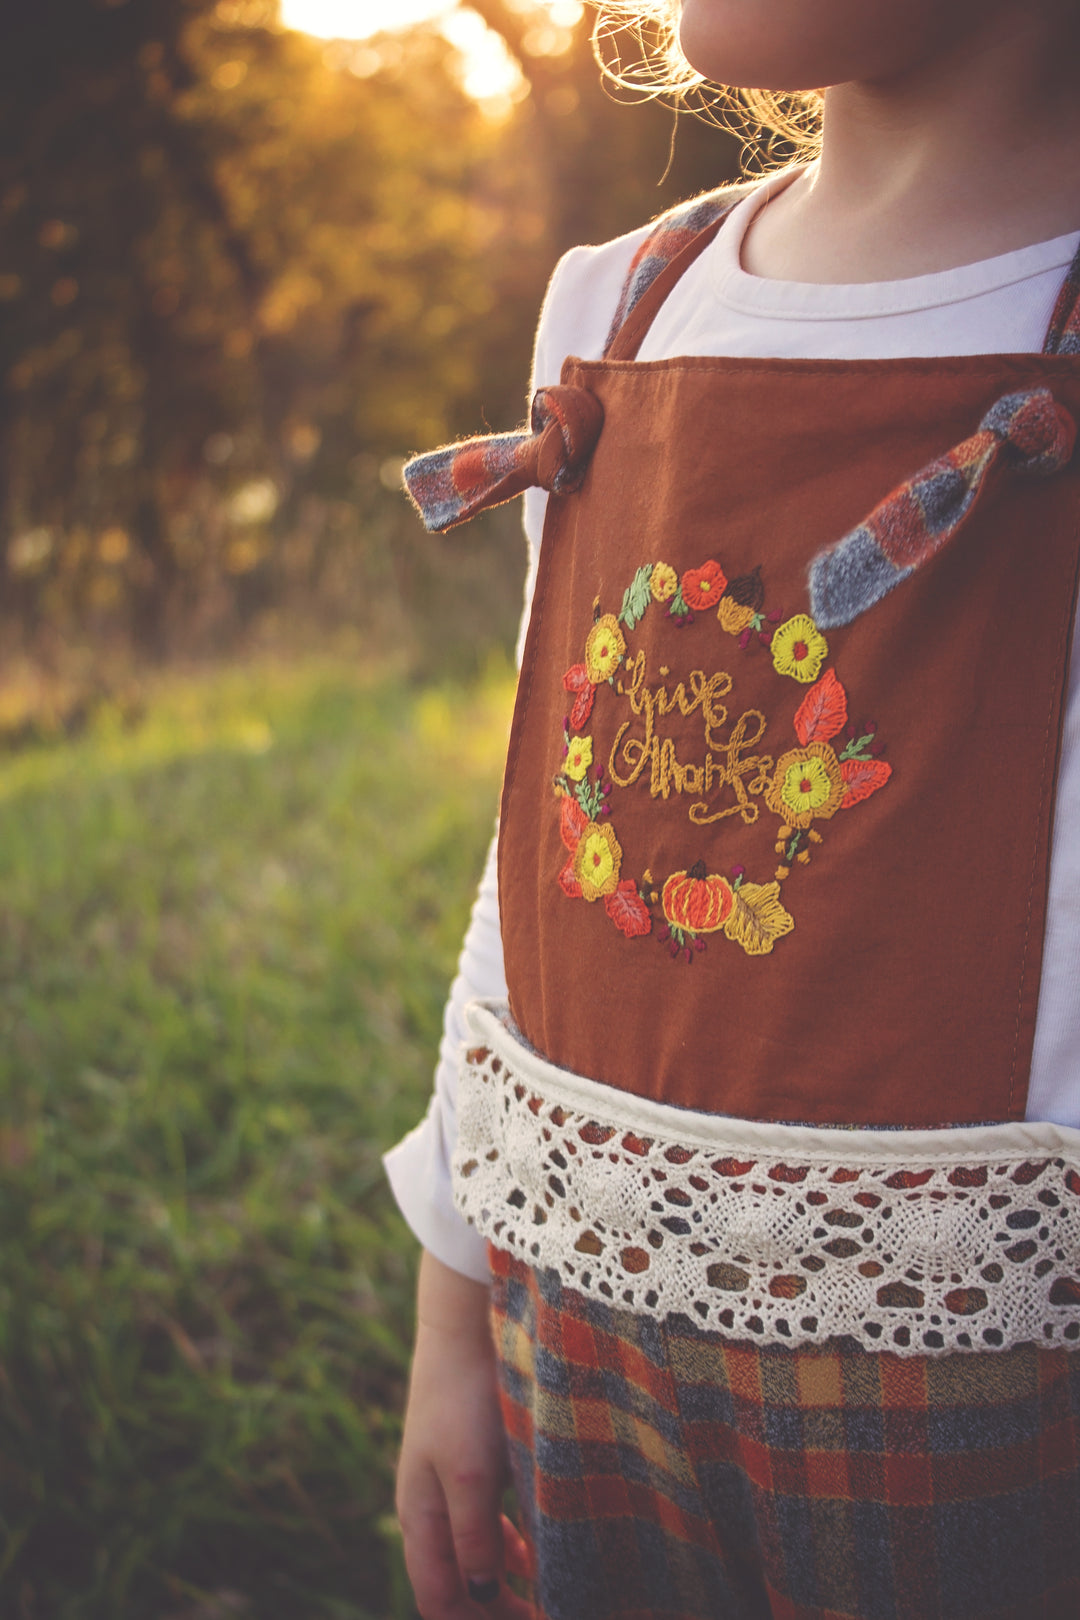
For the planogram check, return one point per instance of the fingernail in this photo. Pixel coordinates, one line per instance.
(484, 1591)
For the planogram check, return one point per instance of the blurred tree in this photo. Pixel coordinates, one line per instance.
(242, 271)
(228, 266)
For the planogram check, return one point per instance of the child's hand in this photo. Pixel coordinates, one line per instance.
(458, 1546)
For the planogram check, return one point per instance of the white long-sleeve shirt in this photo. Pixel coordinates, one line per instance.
(997, 306)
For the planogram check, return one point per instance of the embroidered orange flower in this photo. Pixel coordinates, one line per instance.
(807, 785)
(579, 758)
(663, 582)
(604, 649)
(799, 648)
(703, 587)
(597, 860)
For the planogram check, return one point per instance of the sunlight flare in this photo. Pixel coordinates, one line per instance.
(356, 19)
(489, 73)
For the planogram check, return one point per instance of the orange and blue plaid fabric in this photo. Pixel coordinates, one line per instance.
(672, 232)
(667, 1473)
(1026, 431)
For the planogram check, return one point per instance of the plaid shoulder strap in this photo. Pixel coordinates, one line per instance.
(669, 235)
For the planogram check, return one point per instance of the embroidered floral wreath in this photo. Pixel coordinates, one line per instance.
(808, 784)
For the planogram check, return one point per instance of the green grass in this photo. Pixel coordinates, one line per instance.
(225, 936)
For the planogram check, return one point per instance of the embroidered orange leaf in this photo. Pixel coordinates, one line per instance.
(862, 777)
(628, 910)
(568, 883)
(572, 821)
(582, 708)
(823, 711)
(577, 680)
(757, 919)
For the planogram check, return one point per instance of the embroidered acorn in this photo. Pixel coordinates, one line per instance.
(697, 901)
(734, 617)
(747, 590)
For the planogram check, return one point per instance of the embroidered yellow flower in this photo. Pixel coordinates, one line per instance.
(579, 758)
(604, 649)
(597, 860)
(807, 785)
(663, 582)
(799, 648)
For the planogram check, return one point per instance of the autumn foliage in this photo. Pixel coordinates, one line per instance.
(242, 272)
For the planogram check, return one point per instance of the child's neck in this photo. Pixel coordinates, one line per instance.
(975, 153)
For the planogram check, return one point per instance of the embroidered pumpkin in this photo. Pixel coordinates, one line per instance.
(697, 902)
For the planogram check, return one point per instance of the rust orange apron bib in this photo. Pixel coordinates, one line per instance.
(749, 865)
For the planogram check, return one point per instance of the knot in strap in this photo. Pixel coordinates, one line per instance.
(1039, 433)
(566, 424)
(451, 485)
(1027, 432)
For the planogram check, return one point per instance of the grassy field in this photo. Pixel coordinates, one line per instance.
(225, 936)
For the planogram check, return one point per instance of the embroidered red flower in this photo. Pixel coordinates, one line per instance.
(703, 587)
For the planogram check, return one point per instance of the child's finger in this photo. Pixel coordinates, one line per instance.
(506, 1607)
(472, 1501)
(430, 1557)
(517, 1554)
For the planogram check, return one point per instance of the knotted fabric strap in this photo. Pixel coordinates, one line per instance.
(1028, 432)
(451, 485)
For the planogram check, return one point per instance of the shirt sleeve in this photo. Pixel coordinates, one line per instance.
(419, 1167)
(575, 317)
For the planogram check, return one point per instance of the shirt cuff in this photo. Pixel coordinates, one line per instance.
(416, 1169)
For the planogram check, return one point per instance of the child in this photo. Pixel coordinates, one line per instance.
(777, 1146)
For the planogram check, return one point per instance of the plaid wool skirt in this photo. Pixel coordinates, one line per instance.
(668, 1473)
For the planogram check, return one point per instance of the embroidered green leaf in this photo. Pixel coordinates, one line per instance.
(855, 747)
(757, 919)
(678, 608)
(590, 798)
(823, 711)
(637, 597)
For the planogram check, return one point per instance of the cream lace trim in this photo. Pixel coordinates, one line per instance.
(918, 1242)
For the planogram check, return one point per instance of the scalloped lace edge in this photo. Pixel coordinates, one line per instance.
(916, 1242)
